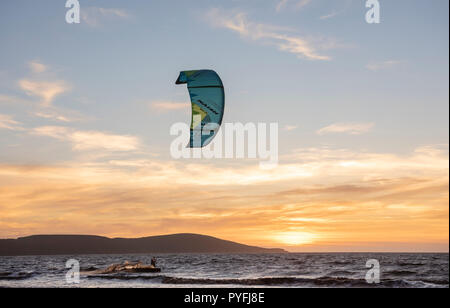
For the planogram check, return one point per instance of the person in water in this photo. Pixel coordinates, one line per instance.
(153, 263)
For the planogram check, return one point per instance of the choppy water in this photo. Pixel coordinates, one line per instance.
(232, 270)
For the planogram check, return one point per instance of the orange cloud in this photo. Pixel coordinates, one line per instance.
(165, 106)
(89, 140)
(271, 35)
(7, 122)
(45, 90)
(349, 128)
(378, 202)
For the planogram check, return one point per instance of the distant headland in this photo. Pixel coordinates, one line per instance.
(92, 244)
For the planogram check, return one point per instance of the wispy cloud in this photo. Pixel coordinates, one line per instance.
(46, 91)
(7, 122)
(290, 127)
(331, 15)
(166, 106)
(13, 100)
(89, 140)
(37, 67)
(344, 5)
(299, 4)
(53, 115)
(43, 87)
(95, 16)
(348, 128)
(302, 3)
(58, 114)
(382, 65)
(40, 86)
(280, 37)
(58, 132)
(281, 4)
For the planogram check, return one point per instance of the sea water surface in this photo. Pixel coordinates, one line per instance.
(402, 270)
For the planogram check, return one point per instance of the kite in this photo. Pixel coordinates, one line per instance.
(208, 102)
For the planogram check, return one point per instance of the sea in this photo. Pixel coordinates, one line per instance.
(291, 270)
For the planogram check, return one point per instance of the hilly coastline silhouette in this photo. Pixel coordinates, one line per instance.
(92, 244)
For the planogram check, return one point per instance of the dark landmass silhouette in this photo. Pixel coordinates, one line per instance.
(92, 244)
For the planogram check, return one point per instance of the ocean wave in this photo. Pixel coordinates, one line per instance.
(254, 281)
(124, 277)
(88, 269)
(441, 282)
(405, 263)
(340, 273)
(400, 273)
(15, 276)
(325, 281)
(339, 262)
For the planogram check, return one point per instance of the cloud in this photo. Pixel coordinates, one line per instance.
(95, 16)
(58, 114)
(290, 127)
(338, 11)
(37, 67)
(267, 34)
(57, 132)
(89, 140)
(53, 116)
(302, 3)
(350, 201)
(281, 4)
(348, 128)
(377, 66)
(165, 106)
(7, 122)
(299, 4)
(45, 90)
(331, 15)
(13, 100)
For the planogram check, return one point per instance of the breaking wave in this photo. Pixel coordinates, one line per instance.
(15, 276)
(325, 281)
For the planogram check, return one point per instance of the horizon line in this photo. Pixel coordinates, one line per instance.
(286, 249)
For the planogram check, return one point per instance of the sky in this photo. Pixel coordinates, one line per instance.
(362, 109)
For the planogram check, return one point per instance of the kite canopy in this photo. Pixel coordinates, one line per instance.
(208, 101)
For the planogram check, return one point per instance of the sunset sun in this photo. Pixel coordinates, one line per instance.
(293, 238)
